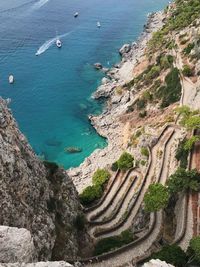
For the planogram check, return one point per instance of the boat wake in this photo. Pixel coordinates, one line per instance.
(49, 43)
(39, 4)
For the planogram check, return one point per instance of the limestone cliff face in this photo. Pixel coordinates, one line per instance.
(39, 198)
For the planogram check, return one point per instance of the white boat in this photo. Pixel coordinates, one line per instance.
(98, 24)
(76, 14)
(11, 79)
(58, 43)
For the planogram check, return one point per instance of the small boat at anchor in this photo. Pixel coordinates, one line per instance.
(11, 79)
(58, 43)
(98, 24)
(76, 14)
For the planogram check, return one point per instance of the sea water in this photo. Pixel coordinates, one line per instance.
(51, 96)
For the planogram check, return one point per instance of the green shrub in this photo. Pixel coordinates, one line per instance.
(194, 249)
(114, 166)
(171, 92)
(153, 73)
(156, 197)
(100, 177)
(90, 194)
(143, 162)
(145, 152)
(182, 154)
(111, 243)
(187, 71)
(125, 161)
(172, 254)
(188, 49)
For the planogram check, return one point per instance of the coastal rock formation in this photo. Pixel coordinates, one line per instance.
(15, 245)
(125, 49)
(40, 198)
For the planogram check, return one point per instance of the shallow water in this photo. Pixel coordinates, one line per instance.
(51, 95)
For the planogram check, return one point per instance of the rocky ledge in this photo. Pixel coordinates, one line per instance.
(108, 124)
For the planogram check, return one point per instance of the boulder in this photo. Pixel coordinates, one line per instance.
(16, 245)
(125, 49)
(98, 66)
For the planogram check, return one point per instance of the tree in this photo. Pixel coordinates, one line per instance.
(194, 249)
(156, 197)
(172, 254)
(183, 180)
(125, 161)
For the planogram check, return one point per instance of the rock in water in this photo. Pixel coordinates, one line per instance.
(98, 66)
(16, 245)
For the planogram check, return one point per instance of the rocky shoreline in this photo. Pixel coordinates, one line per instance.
(108, 124)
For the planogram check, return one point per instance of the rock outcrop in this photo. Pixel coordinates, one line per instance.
(40, 198)
(16, 245)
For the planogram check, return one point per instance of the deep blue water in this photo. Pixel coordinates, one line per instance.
(51, 94)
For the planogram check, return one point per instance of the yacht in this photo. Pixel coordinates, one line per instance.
(76, 14)
(58, 43)
(11, 79)
(98, 24)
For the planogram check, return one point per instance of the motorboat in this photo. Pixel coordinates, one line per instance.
(58, 43)
(76, 14)
(11, 79)
(98, 24)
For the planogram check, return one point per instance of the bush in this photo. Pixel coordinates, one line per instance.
(182, 154)
(90, 194)
(156, 197)
(100, 177)
(114, 166)
(153, 73)
(194, 248)
(172, 254)
(188, 49)
(171, 92)
(187, 71)
(110, 243)
(145, 152)
(125, 161)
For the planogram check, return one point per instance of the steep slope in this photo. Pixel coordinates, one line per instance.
(38, 197)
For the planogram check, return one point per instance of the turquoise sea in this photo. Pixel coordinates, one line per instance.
(51, 96)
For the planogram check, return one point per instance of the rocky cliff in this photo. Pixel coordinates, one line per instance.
(36, 196)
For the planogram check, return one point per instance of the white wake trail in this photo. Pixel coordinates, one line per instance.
(39, 4)
(49, 43)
